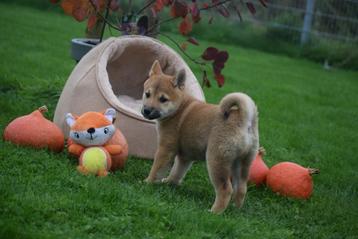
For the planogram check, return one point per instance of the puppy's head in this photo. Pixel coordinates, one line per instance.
(162, 94)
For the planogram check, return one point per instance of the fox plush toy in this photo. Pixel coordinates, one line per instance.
(96, 130)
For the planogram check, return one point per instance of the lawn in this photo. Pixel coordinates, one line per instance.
(307, 115)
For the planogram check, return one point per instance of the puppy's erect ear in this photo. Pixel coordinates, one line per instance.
(110, 114)
(70, 119)
(179, 80)
(156, 69)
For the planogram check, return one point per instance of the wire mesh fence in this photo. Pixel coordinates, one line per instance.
(304, 20)
(322, 30)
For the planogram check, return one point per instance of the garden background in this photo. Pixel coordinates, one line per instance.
(308, 115)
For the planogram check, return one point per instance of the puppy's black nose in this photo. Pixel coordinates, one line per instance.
(147, 111)
(150, 113)
(91, 130)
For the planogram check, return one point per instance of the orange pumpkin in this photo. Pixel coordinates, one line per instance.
(36, 131)
(258, 169)
(292, 180)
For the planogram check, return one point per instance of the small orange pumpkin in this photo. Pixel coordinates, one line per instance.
(36, 131)
(258, 169)
(292, 180)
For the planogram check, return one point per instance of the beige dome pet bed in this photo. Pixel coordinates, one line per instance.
(112, 75)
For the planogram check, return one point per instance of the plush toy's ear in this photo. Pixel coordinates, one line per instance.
(156, 69)
(70, 119)
(179, 80)
(110, 114)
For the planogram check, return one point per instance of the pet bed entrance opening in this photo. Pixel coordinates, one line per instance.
(127, 68)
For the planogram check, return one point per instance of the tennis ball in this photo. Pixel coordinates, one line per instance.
(95, 159)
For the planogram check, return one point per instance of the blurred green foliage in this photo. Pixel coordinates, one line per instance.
(268, 39)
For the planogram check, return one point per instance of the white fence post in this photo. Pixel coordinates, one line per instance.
(307, 22)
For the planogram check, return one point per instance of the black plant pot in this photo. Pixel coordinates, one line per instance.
(80, 47)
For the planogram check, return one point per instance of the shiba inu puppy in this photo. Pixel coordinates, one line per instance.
(226, 135)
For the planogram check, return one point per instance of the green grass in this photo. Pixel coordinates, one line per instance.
(307, 115)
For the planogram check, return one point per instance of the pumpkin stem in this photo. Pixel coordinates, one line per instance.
(43, 109)
(262, 151)
(313, 171)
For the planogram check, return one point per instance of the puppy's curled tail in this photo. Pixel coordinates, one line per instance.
(244, 104)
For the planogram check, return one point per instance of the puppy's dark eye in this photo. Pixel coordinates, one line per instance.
(76, 135)
(147, 94)
(162, 99)
(106, 130)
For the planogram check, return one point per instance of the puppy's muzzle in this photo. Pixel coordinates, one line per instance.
(150, 113)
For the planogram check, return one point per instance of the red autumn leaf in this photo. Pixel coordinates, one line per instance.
(205, 5)
(195, 13)
(222, 56)
(210, 53)
(113, 5)
(179, 9)
(193, 41)
(219, 62)
(78, 9)
(251, 7)
(96, 3)
(220, 79)
(79, 13)
(158, 6)
(218, 66)
(264, 3)
(91, 22)
(185, 26)
(184, 46)
(67, 6)
(100, 4)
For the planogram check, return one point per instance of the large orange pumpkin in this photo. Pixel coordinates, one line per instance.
(258, 169)
(292, 180)
(36, 131)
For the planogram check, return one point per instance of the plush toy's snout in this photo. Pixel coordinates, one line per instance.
(91, 130)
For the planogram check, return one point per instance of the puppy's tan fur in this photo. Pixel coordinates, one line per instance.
(225, 134)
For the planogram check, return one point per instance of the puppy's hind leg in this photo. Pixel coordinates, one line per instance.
(178, 171)
(220, 173)
(241, 169)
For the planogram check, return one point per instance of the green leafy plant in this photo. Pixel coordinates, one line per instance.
(188, 13)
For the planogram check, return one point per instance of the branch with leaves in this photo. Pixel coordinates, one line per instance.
(187, 12)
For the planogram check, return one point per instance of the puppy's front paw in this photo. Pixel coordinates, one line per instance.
(216, 210)
(239, 202)
(149, 180)
(170, 181)
(165, 180)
